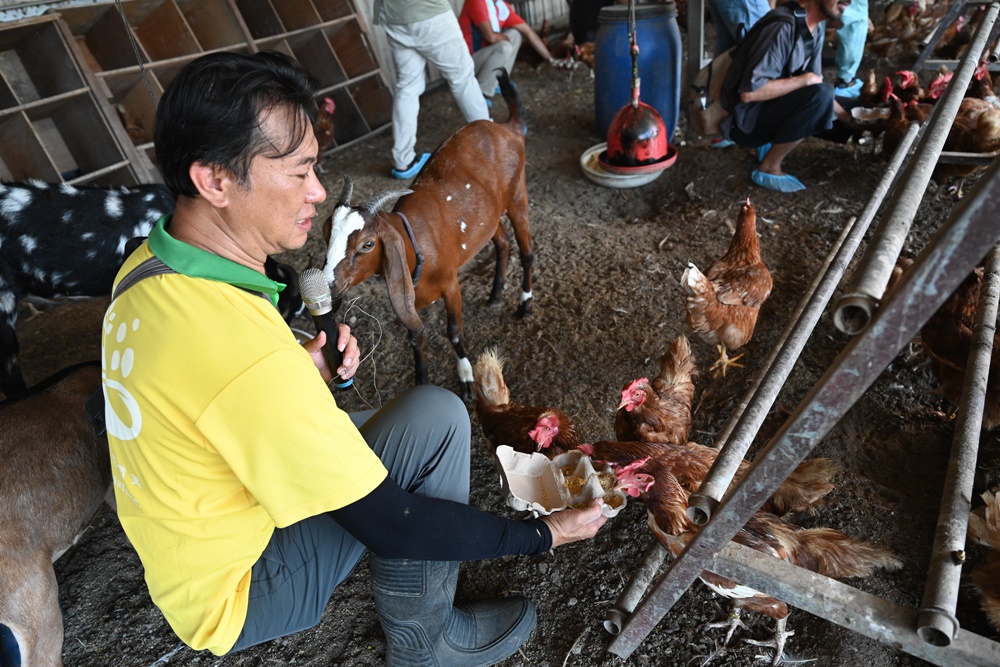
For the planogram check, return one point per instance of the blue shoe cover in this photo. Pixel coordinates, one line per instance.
(786, 183)
(850, 91)
(489, 102)
(722, 143)
(762, 151)
(414, 168)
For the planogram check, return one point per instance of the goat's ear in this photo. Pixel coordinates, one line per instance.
(398, 279)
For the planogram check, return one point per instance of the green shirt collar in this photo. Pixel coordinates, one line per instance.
(198, 263)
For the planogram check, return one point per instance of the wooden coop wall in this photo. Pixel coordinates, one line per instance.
(75, 105)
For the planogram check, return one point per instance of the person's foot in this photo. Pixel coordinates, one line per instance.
(414, 168)
(849, 90)
(762, 152)
(783, 183)
(489, 102)
(722, 142)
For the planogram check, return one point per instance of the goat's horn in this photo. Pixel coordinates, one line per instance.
(375, 202)
(345, 196)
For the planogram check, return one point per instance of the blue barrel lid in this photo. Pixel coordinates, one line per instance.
(617, 12)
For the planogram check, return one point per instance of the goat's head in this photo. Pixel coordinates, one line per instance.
(360, 243)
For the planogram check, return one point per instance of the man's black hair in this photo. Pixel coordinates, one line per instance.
(212, 113)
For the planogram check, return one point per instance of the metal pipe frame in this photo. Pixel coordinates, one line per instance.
(937, 624)
(923, 60)
(861, 299)
(742, 427)
(616, 616)
(953, 252)
(849, 607)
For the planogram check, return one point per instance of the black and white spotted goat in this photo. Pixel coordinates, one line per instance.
(64, 240)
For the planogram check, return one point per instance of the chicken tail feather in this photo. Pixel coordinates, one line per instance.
(677, 364)
(489, 387)
(984, 522)
(838, 555)
(805, 487)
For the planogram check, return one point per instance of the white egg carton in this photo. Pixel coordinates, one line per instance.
(537, 484)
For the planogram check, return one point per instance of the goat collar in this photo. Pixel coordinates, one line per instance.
(416, 251)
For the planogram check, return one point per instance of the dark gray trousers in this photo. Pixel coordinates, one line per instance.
(423, 437)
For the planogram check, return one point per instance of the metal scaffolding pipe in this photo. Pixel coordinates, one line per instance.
(849, 607)
(618, 614)
(948, 258)
(861, 299)
(937, 624)
(743, 425)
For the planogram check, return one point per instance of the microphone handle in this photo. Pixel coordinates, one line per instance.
(334, 357)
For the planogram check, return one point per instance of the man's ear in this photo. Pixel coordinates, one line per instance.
(211, 182)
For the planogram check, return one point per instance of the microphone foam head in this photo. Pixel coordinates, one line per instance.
(315, 291)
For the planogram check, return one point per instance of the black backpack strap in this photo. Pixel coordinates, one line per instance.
(153, 266)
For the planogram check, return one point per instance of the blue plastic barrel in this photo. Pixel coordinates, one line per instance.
(659, 41)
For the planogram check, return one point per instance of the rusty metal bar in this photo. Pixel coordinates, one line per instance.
(743, 425)
(935, 274)
(937, 624)
(849, 607)
(616, 616)
(928, 46)
(861, 299)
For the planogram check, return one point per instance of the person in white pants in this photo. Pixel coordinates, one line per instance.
(422, 31)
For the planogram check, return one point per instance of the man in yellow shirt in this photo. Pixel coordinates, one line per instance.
(247, 493)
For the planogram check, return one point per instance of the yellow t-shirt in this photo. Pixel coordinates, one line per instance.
(220, 429)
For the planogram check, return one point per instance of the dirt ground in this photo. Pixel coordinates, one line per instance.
(607, 304)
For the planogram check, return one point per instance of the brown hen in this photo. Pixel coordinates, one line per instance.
(660, 411)
(723, 304)
(984, 528)
(678, 470)
(526, 428)
(825, 551)
(689, 463)
(900, 117)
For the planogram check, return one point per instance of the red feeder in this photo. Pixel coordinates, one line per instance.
(637, 136)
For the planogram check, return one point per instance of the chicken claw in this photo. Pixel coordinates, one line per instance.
(778, 642)
(724, 361)
(732, 622)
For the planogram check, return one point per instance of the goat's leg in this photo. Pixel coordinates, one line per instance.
(453, 306)
(502, 245)
(32, 611)
(419, 361)
(518, 215)
(11, 381)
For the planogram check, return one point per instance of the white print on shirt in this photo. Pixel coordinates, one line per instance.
(119, 479)
(498, 11)
(122, 362)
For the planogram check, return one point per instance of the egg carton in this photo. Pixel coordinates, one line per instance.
(534, 483)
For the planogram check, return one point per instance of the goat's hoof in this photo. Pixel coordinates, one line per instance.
(524, 309)
(466, 392)
(493, 303)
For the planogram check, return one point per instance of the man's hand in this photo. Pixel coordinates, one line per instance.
(573, 525)
(778, 87)
(346, 343)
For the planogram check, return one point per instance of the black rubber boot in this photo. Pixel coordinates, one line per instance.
(424, 628)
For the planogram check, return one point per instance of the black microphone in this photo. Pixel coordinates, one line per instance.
(318, 300)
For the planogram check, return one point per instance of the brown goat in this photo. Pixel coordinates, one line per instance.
(454, 207)
(55, 474)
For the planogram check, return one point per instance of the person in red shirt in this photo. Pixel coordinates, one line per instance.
(493, 32)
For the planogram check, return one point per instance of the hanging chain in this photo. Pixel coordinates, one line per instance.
(135, 48)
